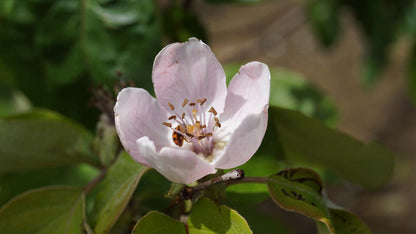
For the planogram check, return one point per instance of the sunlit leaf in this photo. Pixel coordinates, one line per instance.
(115, 191)
(42, 138)
(158, 223)
(299, 190)
(344, 223)
(207, 217)
(46, 210)
(307, 140)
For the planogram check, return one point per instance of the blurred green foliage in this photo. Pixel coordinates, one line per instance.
(380, 21)
(54, 51)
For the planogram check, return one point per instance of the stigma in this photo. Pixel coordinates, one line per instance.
(195, 124)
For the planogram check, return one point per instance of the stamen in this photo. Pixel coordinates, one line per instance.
(171, 106)
(208, 134)
(172, 117)
(216, 119)
(167, 124)
(185, 102)
(192, 104)
(201, 101)
(194, 112)
(201, 137)
(183, 115)
(217, 124)
(213, 111)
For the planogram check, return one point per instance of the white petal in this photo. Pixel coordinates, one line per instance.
(248, 93)
(138, 114)
(177, 164)
(189, 70)
(244, 120)
(243, 142)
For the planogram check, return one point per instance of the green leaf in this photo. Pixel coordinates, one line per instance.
(299, 190)
(42, 138)
(345, 223)
(207, 217)
(12, 184)
(158, 223)
(307, 140)
(46, 210)
(115, 191)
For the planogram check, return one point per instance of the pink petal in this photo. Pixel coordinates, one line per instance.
(244, 120)
(248, 93)
(244, 141)
(189, 70)
(177, 164)
(138, 114)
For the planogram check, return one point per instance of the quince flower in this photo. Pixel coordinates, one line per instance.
(195, 125)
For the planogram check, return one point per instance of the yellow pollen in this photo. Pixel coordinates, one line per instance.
(194, 112)
(190, 128)
(185, 102)
(171, 106)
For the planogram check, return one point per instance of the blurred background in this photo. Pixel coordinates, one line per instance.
(351, 64)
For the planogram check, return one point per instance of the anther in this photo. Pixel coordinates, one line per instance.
(201, 137)
(213, 111)
(192, 104)
(208, 134)
(171, 106)
(217, 124)
(185, 102)
(183, 115)
(172, 117)
(216, 119)
(194, 112)
(201, 101)
(167, 124)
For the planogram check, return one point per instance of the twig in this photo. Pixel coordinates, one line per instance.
(248, 180)
(235, 175)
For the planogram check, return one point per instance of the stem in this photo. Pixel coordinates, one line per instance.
(234, 175)
(249, 180)
(95, 181)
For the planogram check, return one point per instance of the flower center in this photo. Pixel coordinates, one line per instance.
(195, 125)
